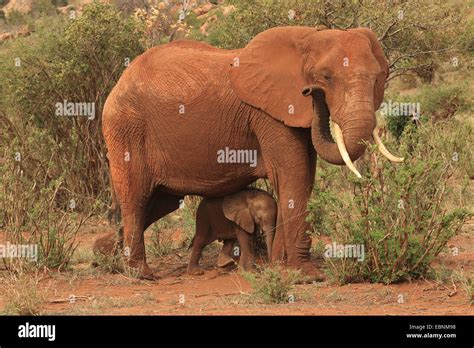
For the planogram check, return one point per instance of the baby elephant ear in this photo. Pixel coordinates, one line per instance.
(236, 209)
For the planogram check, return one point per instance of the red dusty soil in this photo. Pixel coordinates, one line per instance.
(219, 292)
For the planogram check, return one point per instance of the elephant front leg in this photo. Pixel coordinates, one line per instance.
(291, 243)
(247, 256)
(193, 264)
(297, 243)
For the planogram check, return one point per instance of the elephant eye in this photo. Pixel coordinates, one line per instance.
(322, 76)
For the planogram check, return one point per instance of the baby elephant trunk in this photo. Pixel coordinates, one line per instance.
(269, 241)
(269, 231)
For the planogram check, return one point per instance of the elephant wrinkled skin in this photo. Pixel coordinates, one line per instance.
(178, 105)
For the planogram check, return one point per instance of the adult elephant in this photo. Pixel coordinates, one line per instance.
(178, 107)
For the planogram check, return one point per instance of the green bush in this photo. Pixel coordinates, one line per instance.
(182, 220)
(53, 229)
(16, 18)
(187, 218)
(54, 169)
(320, 208)
(444, 101)
(43, 8)
(273, 284)
(437, 102)
(400, 213)
(77, 60)
(396, 124)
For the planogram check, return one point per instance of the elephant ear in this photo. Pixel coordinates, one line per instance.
(268, 74)
(236, 209)
(380, 56)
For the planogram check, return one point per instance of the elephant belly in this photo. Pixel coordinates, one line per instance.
(207, 153)
(194, 133)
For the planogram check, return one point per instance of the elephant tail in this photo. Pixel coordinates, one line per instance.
(114, 214)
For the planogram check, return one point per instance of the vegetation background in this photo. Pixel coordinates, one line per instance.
(54, 171)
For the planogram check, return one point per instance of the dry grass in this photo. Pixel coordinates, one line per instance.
(22, 292)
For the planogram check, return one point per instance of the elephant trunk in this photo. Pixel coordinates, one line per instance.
(352, 135)
(352, 125)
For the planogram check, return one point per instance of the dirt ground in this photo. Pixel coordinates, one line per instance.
(219, 292)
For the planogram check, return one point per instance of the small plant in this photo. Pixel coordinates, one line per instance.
(318, 249)
(273, 284)
(109, 263)
(162, 243)
(51, 226)
(183, 220)
(22, 292)
(467, 283)
(469, 288)
(396, 124)
(334, 296)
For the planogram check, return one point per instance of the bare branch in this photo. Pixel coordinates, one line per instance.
(416, 54)
(385, 34)
(395, 32)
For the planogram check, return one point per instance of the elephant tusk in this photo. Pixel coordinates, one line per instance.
(383, 149)
(338, 137)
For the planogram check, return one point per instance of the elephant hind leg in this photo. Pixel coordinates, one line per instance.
(225, 256)
(133, 242)
(136, 220)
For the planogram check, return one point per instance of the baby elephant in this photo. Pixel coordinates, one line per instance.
(230, 218)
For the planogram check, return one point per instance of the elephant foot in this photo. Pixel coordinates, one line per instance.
(195, 270)
(309, 272)
(140, 270)
(224, 260)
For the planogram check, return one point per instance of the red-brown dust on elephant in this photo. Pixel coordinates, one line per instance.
(179, 105)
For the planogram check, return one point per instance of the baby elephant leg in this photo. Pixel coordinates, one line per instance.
(193, 265)
(247, 258)
(225, 256)
(202, 238)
